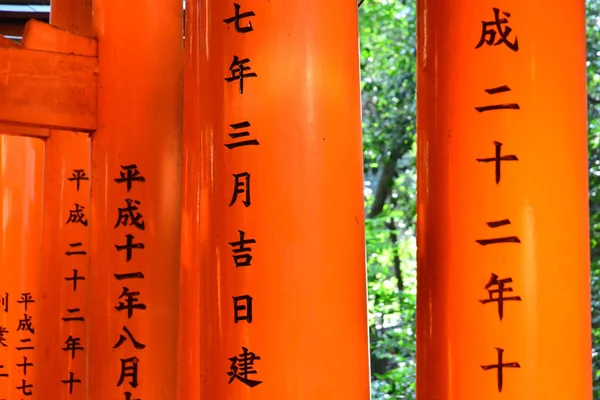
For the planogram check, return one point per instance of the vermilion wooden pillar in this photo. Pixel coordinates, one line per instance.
(503, 247)
(192, 217)
(72, 15)
(282, 269)
(136, 201)
(64, 276)
(21, 185)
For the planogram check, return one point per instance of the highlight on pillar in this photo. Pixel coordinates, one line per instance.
(231, 200)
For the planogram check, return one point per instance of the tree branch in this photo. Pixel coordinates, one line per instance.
(391, 225)
(384, 185)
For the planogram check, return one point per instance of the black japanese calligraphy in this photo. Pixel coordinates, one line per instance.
(241, 304)
(78, 176)
(129, 175)
(498, 158)
(241, 252)
(77, 216)
(128, 396)
(71, 381)
(237, 17)
(3, 338)
(73, 318)
(26, 345)
(501, 106)
(241, 186)
(3, 374)
(497, 295)
(129, 215)
(26, 298)
(25, 324)
(132, 275)
(238, 71)
(131, 302)
(500, 367)
(24, 365)
(73, 345)
(75, 252)
(25, 388)
(4, 302)
(129, 369)
(123, 338)
(506, 239)
(129, 246)
(75, 277)
(239, 135)
(490, 29)
(242, 366)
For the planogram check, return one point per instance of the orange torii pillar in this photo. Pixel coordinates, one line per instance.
(64, 278)
(73, 15)
(21, 185)
(283, 292)
(503, 247)
(192, 218)
(136, 201)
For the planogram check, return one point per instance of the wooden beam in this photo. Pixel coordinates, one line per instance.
(23, 130)
(41, 36)
(47, 89)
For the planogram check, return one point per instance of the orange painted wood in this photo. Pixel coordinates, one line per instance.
(5, 42)
(502, 156)
(41, 36)
(23, 130)
(282, 268)
(134, 346)
(21, 200)
(48, 89)
(64, 279)
(192, 216)
(73, 15)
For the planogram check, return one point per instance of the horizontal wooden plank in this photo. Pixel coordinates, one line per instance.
(23, 130)
(46, 89)
(41, 36)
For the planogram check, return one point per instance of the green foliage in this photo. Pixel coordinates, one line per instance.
(388, 66)
(388, 63)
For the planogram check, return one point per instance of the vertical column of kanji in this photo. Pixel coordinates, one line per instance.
(282, 274)
(63, 278)
(21, 178)
(136, 202)
(503, 258)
